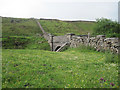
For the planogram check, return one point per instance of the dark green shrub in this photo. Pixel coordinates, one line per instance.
(107, 27)
(20, 42)
(15, 42)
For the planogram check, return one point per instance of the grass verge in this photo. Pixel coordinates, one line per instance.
(69, 69)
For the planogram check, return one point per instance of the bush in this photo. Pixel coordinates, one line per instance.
(15, 42)
(107, 27)
(21, 42)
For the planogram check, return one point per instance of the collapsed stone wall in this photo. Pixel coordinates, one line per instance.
(100, 42)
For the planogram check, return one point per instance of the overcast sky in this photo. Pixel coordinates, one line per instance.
(60, 9)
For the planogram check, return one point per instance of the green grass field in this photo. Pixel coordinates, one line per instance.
(27, 61)
(62, 28)
(28, 27)
(69, 69)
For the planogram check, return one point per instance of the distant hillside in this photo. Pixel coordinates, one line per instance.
(20, 33)
(28, 27)
(19, 27)
(24, 33)
(58, 27)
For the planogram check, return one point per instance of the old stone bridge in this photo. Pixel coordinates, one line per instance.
(57, 43)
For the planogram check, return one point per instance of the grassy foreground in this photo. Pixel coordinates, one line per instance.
(69, 69)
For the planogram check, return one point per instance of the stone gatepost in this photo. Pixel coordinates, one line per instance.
(51, 42)
(69, 36)
(88, 39)
(100, 42)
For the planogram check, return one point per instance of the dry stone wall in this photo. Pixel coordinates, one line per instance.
(100, 42)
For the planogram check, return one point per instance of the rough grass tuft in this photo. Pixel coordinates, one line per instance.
(110, 57)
